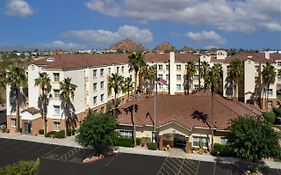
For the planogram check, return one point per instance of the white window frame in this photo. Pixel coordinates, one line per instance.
(57, 126)
(95, 87)
(95, 71)
(56, 77)
(102, 85)
(126, 133)
(178, 77)
(56, 93)
(102, 97)
(178, 87)
(95, 100)
(56, 110)
(178, 66)
(160, 67)
(13, 122)
(205, 144)
(101, 72)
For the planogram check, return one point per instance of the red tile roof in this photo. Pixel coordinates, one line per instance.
(31, 110)
(257, 57)
(187, 111)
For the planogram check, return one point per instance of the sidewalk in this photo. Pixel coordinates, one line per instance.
(70, 141)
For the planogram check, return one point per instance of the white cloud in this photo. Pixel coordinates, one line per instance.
(206, 36)
(104, 38)
(227, 15)
(18, 8)
(61, 45)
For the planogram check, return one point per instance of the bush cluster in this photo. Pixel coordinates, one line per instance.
(51, 134)
(138, 141)
(41, 131)
(60, 134)
(152, 146)
(22, 167)
(70, 132)
(125, 142)
(269, 116)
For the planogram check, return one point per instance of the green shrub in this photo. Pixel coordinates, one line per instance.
(20, 130)
(73, 131)
(68, 132)
(138, 141)
(22, 167)
(269, 116)
(51, 134)
(41, 131)
(60, 134)
(152, 146)
(277, 111)
(125, 142)
(218, 149)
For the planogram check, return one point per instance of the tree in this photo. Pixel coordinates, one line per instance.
(253, 139)
(136, 62)
(98, 130)
(44, 83)
(213, 82)
(17, 79)
(149, 76)
(128, 86)
(235, 74)
(115, 82)
(22, 167)
(268, 77)
(204, 67)
(190, 72)
(67, 92)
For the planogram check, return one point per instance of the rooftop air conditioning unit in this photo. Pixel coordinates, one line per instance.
(50, 59)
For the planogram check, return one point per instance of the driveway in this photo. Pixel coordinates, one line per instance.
(59, 160)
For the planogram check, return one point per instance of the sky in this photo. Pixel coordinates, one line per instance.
(89, 24)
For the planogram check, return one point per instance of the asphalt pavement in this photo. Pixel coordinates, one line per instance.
(56, 159)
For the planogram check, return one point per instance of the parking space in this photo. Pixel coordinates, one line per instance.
(56, 159)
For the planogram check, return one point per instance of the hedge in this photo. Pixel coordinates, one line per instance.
(152, 146)
(138, 141)
(51, 133)
(277, 111)
(68, 132)
(60, 134)
(125, 142)
(222, 150)
(269, 116)
(41, 131)
(73, 131)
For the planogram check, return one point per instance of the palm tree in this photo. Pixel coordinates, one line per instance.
(115, 82)
(136, 62)
(149, 76)
(67, 92)
(17, 79)
(128, 86)
(190, 71)
(213, 82)
(268, 77)
(235, 74)
(44, 83)
(204, 67)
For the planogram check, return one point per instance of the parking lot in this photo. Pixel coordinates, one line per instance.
(56, 159)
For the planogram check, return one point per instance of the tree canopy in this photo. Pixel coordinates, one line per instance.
(252, 139)
(22, 167)
(97, 130)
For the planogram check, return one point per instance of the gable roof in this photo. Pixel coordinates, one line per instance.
(189, 111)
(242, 56)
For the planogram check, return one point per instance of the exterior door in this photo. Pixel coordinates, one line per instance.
(27, 128)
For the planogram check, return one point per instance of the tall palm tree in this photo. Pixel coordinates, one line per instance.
(149, 76)
(115, 82)
(17, 79)
(203, 69)
(213, 82)
(235, 74)
(67, 92)
(44, 83)
(190, 72)
(268, 78)
(136, 62)
(128, 86)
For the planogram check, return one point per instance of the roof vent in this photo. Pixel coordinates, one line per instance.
(50, 59)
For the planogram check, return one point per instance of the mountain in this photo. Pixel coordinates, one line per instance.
(166, 47)
(127, 45)
(18, 48)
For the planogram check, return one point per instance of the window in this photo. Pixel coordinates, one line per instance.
(198, 141)
(13, 122)
(257, 68)
(178, 67)
(160, 75)
(167, 77)
(178, 77)
(167, 67)
(196, 86)
(279, 63)
(160, 67)
(56, 93)
(56, 126)
(56, 110)
(122, 69)
(95, 100)
(117, 69)
(56, 77)
(95, 88)
(102, 85)
(269, 92)
(196, 77)
(101, 97)
(126, 133)
(178, 87)
(109, 70)
(95, 73)
(223, 140)
(101, 72)
(160, 86)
